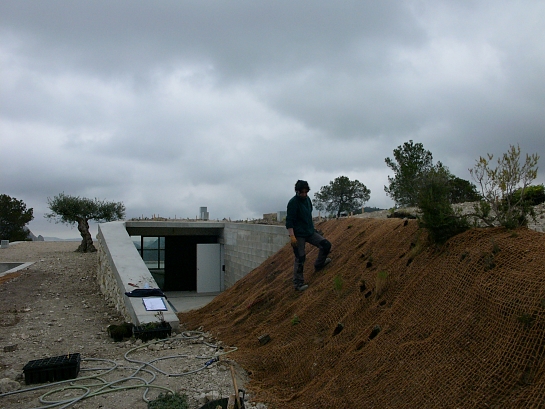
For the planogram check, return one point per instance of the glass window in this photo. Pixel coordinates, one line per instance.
(153, 252)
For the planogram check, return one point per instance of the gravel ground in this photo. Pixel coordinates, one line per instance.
(54, 308)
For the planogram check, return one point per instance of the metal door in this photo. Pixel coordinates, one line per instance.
(209, 268)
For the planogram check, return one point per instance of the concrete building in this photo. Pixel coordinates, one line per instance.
(204, 214)
(200, 257)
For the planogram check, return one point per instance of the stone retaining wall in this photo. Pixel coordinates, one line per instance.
(108, 283)
(537, 225)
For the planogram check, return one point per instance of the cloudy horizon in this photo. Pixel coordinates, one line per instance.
(168, 106)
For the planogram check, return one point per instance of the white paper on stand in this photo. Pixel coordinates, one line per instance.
(154, 304)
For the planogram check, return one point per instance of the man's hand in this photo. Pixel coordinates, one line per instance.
(293, 241)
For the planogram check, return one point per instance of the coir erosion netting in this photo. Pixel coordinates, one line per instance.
(392, 322)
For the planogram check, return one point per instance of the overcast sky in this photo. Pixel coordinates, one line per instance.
(168, 106)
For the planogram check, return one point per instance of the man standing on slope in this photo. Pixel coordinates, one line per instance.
(301, 230)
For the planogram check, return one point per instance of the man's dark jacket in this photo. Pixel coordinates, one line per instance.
(299, 216)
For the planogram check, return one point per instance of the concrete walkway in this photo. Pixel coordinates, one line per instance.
(183, 301)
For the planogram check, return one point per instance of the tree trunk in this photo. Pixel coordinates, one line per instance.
(86, 245)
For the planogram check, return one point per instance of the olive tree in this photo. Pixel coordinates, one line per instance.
(79, 210)
(342, 195)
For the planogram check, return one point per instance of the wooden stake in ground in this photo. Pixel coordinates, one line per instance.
(237, 397)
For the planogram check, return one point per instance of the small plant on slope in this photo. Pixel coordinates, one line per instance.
(504, 187)
(169, 401)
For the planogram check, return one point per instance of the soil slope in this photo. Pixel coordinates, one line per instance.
(393, 322)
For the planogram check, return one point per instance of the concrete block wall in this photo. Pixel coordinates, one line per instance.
(246, 246)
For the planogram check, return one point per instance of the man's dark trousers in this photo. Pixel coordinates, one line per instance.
(316, 240)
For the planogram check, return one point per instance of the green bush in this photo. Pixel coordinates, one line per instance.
(533, 195)
(119, 332)
(462, 190)
(169, 401)
(437, 214)
(14, 217)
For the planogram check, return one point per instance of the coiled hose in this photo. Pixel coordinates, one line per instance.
(99, 386)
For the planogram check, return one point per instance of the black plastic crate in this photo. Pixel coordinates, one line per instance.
(146, 333)
(54, 369)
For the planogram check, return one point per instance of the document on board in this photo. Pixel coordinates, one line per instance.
(154, 304)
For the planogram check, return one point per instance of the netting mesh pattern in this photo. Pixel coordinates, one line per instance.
(391, 322)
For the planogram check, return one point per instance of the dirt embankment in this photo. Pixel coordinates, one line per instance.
(393, 322)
